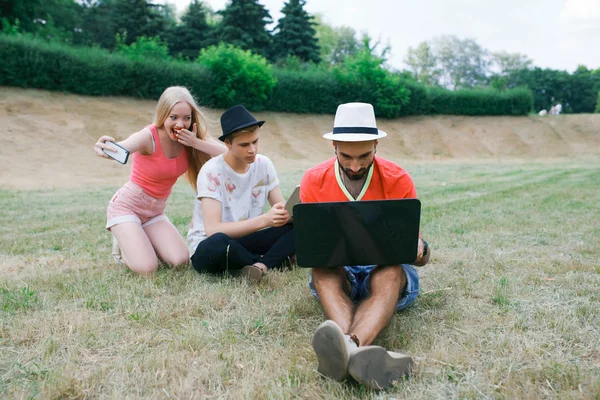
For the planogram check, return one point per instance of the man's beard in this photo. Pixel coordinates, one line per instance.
(358, 175)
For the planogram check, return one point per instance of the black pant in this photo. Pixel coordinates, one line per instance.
(269, 246)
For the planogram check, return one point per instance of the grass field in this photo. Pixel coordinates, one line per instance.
(509, 306)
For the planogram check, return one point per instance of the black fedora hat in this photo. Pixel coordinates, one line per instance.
(236, 118)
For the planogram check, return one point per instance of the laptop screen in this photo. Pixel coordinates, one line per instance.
(381, 232)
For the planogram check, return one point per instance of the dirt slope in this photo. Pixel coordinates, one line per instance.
(47, 137)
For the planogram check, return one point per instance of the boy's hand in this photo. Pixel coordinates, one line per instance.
(277, 215)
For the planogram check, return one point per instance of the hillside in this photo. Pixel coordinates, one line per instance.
(48, 137)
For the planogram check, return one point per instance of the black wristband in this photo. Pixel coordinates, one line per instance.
(425, 248)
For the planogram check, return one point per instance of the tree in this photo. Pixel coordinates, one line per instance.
(547, 85)
(98, 26)
(423, 64)
(244, 26)
(510, 62)
(583, 93)
(335, 43)
(373, 83)
(134, 18)
(48, 19)
(375, 48)
(296, 35)
(193, 34)
(463, 62)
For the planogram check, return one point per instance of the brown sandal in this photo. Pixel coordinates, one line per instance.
(251, 272)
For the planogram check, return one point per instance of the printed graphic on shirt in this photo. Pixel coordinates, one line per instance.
(230, 187)
(258, 189)
(213, 181)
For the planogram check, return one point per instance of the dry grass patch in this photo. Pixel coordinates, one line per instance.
(508, 308)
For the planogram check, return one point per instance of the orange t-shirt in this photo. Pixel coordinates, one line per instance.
(155, 173)
(385, 181)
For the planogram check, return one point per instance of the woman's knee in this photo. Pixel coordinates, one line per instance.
(144, 267)
(176, 259)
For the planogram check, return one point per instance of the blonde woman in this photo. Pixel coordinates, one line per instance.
(174, 143)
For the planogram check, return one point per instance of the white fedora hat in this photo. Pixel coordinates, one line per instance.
(355, 122)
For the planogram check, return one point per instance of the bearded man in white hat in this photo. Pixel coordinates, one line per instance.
(360, 300)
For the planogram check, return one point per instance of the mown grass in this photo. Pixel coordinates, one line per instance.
(509, 306)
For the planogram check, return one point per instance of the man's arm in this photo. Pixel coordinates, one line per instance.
(275, 196)
(422, 259)
(211, 214)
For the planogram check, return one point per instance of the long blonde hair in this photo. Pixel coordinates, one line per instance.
(171, 96)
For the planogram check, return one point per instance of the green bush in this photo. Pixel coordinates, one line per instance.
(241, 77)
(597, 110)
(480, 101)
(224, 76)
(144, 48)
(373, 83)
(307, 91)
(419, 101)
(312, 89)
(10, 29)
(91, 71)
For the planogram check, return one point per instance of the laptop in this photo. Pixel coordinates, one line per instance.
(375, 232)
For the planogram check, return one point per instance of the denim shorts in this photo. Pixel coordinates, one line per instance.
(359, 277)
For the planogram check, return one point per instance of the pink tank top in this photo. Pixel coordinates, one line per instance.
(155, 173)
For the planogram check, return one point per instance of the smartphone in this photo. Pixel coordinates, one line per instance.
(293, 200)
(121, 155)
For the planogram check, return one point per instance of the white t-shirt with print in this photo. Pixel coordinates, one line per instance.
(242, 196)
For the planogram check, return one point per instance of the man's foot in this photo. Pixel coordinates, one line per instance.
(116, 251)
(377, 368)
(251, 272)
(331, 349)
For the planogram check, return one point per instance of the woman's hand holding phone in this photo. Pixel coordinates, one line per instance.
(107, 148)
(101, 145)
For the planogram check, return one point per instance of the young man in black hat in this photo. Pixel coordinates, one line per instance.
(228, 226)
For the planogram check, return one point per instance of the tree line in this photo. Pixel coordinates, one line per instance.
(456, 63)
(113, 23)
(142, 30)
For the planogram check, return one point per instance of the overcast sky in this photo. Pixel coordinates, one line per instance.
(558, 34)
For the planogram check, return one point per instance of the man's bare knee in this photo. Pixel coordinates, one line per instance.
(389, 277)
(328, 274)
(328, 277)
(331, 280)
